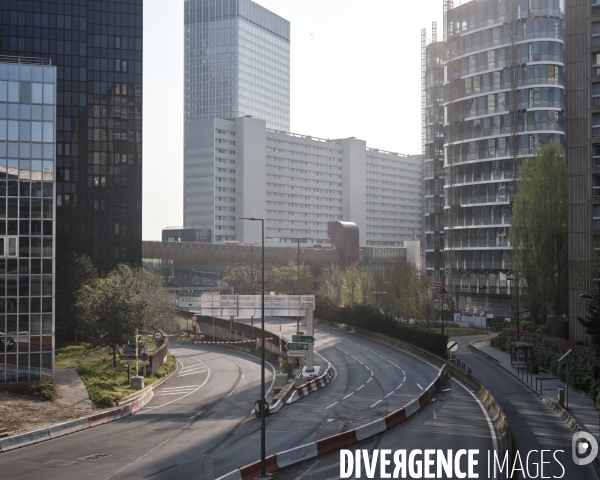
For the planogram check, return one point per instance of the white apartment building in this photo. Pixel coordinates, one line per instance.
(297, 183)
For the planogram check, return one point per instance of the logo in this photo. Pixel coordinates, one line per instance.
(584, 448)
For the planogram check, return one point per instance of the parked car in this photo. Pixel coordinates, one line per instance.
(7, 343)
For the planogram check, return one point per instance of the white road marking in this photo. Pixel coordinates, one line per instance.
(399, 385)
(360, 387)
(378, 401)
(231, 393)
(434, 415)
(404, 379)
(388, 394)
(347, 396)
(199, 413)
(170, 393)
(178, 388)
(383, 357)
(330, 405)
(369, 379)
(391, 362)
(419, 386)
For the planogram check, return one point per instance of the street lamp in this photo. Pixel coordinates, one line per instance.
(262, 353)
(443, 291)
(512, 279)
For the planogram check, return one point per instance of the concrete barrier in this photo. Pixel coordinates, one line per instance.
(253, 470)
(412, 407)
(105, 417)
(312, 386)
(370, 429)
(28, 438)
(395, 418)
(127, 410)
(68, 427)
(336, 442)
(298, 454)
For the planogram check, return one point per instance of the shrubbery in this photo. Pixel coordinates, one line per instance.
(370, 318)
(39, 390)
(547, 350)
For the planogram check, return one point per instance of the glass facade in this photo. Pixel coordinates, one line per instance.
(96, 47)
(504, 96)
(237, 62)
(433, 162)
(27, 222)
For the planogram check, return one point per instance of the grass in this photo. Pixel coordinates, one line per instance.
(39, 390)
(105, 384)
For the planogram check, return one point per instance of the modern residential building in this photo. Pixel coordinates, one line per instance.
(503, 97)
(433, 155)
(27, 220)
(297, 183)
(97, 49)
(583, 149)
(237, 62)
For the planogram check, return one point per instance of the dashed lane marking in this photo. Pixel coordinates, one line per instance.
(378, 401)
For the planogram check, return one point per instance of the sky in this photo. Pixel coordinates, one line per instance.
(355, 72)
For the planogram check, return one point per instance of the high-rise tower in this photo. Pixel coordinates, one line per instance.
(96, 47)
(237, 62)
(504, 96)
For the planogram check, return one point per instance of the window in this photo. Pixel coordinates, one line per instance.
(596, 94)
(596, 216)
(596, 155)
(596, 124)
(595, 33)
(12, 247)
(596, 186)
(596, 63)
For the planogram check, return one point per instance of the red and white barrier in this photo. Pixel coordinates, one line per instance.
(336, 442)
(232, 343)
(312, 386)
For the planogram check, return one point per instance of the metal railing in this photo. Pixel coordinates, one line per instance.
(25, 60)
(301, 302)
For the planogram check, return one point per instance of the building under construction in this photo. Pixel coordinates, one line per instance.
(502, 86)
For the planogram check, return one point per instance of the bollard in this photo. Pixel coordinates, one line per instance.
(561, 397)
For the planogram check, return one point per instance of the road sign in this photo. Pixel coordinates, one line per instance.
(144, 357)
(303, 339)
(297, 346)
(452, 346)
(297, 353)
(128, 352)
(158, 335)
(189, 300)
(194, 319)
(482, 314)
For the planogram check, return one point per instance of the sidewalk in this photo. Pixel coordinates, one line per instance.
(581, 408)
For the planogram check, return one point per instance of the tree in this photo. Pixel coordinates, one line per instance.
(284, 279)
(126, 299)
(588, 280)
(70, 277)
(112, 307)
(246, 279)
(332, 284)
(539, 233)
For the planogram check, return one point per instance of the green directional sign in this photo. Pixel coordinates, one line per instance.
(297, 346)
(303, 339)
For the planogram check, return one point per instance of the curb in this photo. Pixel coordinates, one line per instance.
(54, 431)
(312, 386)
(335, 442)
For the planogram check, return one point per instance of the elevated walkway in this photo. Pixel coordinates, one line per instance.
(227, 253)
(250, 305)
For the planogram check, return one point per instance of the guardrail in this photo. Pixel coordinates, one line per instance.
(301, 302)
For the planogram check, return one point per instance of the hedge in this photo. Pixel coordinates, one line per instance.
(369, 318)
(547, 350)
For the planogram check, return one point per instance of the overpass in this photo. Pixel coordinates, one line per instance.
(237, 253)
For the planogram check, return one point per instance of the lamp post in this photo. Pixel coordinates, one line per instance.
(517, 280)
(443, 291)
(262, 352)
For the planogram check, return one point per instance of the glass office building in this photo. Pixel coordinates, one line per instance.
(237, 62)
(96, 47)
(27, 199)
(504, 97)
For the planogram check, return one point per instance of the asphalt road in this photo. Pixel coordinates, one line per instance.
(199, 424)
(534, 424)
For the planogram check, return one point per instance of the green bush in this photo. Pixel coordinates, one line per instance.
(369, 318)
(167, 367)
(41, 390)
